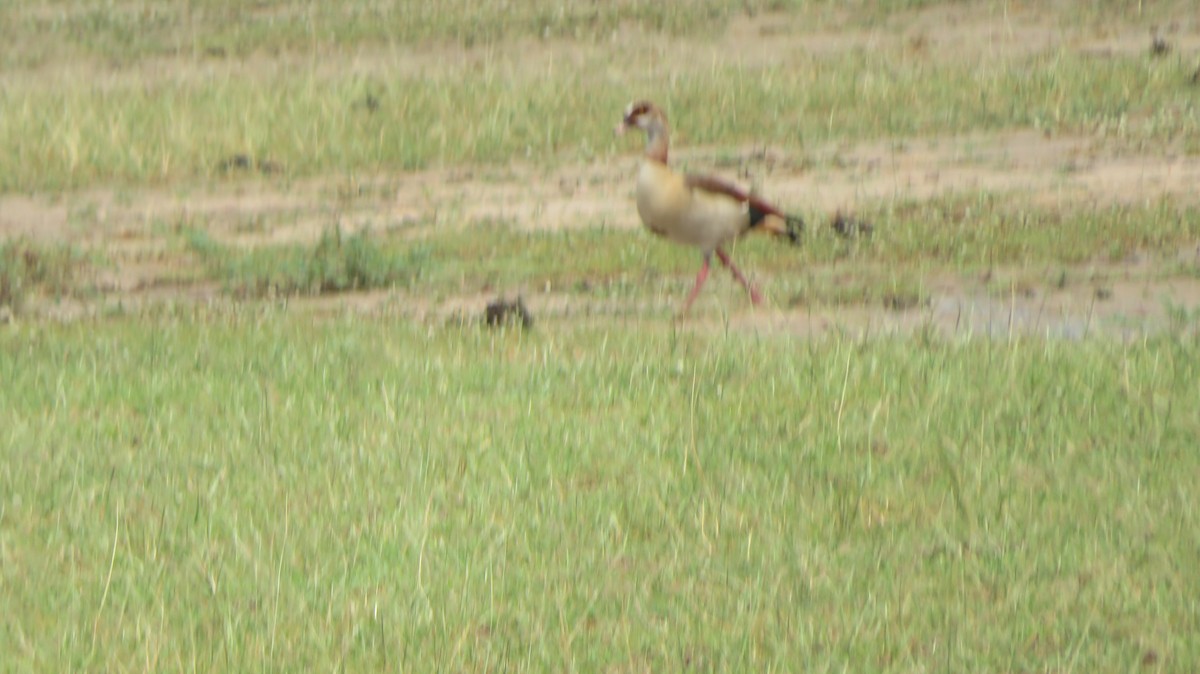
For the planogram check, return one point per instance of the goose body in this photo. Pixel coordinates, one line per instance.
(700, 211)
(672, 209)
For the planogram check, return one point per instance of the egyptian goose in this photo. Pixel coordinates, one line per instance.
(705, 212)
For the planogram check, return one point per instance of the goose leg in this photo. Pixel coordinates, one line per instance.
(700, 279)
(755, 297)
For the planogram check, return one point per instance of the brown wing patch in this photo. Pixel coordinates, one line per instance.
(717, 185)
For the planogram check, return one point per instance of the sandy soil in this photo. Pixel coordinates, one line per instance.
(133, 226)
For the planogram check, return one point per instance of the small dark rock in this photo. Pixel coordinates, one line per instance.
(849, 227)
(502, 312)
(1159, 46)
(900, 301)
(244, 162)
(236, 162)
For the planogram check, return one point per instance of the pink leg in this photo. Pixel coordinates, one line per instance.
(700, 279)
(755, 297)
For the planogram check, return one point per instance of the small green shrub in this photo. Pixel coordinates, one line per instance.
(335, 263)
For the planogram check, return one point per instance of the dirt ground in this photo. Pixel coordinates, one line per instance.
(1054, 171)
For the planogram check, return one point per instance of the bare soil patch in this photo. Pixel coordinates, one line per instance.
(135, 228)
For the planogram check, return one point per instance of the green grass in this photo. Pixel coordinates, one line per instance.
(238, 487)
(54, 31)
(989, 228)
(250, 491)
(76, 126)
(41, 33)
